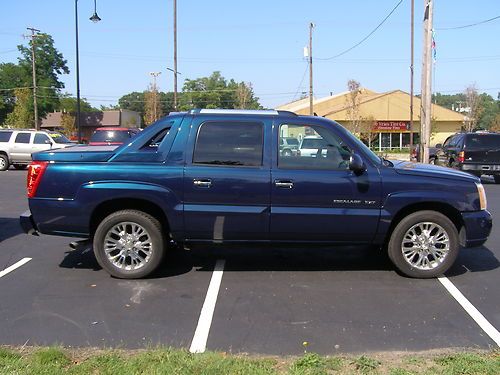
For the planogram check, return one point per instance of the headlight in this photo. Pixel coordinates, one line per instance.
(482, 196)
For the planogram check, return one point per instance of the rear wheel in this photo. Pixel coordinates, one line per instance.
(4, 162)
(129, 244)
(424, 244)
(497, 179)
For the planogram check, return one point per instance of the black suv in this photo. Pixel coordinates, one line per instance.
(477, 153)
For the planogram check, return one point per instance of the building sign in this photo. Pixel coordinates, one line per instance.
(391, 126)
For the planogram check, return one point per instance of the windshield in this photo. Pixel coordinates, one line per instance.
(482, 141)
(59, 138)
(313, 143)
(111, 136)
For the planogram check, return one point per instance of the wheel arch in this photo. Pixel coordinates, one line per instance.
(446, 209)
(108, 207)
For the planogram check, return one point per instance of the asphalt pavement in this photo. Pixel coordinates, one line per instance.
(267, 300)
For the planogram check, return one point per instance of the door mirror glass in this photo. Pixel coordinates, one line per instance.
(356, 164)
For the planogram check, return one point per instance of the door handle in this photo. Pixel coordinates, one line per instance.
(203, 183)
(284, 184)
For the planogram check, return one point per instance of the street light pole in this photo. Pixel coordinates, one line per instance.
(175, 55)
(95, 18)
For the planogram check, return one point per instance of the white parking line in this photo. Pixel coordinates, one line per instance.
(199, 343)
(474, 313)
(14, 266)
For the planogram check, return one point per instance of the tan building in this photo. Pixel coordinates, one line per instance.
(384, 118)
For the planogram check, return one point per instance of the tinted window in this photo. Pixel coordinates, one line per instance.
(112, 136)
(59, 138)
(324, 150)
(483, 141)
(23, 138)
(41, 139)
(5, 136)
(229, 143)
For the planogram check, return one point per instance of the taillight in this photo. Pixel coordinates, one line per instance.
(461, 157)
(35, 173)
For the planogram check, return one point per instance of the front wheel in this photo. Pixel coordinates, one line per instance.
(424, 244)
(129, 244)
(4, 162)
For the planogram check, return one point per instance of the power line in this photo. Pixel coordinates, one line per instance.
(301, 81)
(366, 37)
(466, 26)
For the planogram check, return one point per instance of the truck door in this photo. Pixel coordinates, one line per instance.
(22, 148)
(227, 179)
(315, 197)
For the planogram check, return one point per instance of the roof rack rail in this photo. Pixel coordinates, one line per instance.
(289, 113)
(261, 112)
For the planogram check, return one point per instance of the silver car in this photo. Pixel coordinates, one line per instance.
(17, 145)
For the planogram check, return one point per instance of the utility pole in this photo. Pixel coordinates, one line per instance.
(311, 110)
(426, 97)
(34, 33)
(412, 59)
(175, 55)
(155, 95)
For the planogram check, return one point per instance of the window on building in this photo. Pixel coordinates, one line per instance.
(229, 143)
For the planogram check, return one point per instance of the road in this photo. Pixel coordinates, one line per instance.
(262, 300)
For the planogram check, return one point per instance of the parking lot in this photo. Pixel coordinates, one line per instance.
(258, 300)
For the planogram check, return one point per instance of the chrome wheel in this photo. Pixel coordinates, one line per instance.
(3, 163)
(128, 246)
(425, 245)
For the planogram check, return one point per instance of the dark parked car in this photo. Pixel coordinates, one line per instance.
(219, 176)
(112, 136)
(477, 153)
(432, 154)
(289, 146)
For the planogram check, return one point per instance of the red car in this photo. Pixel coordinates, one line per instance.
(112, 136)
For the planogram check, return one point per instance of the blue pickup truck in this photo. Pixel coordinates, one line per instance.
(219, 176)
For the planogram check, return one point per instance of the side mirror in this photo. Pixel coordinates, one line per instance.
(439, 145)
(356, 164)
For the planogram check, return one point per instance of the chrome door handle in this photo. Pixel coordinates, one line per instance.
(204, 183)
(284, 184)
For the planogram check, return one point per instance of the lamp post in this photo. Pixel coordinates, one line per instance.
(175, 85)
(95, 18)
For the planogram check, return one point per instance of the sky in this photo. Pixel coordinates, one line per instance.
(260, 42)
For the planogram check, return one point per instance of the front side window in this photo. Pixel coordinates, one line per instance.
(229, 143)
(23, 138)
(318, 149)
(41, 139)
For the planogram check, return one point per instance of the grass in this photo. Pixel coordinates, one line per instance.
(54, 360)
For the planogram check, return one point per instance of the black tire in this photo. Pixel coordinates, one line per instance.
(20, 166)
(497, 178)
(395, 251)
(4, 162)
(152, 228)
(287, 153)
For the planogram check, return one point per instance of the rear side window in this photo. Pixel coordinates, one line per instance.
(23, 138)
(5, 136)
(482, 141)
(229, 143)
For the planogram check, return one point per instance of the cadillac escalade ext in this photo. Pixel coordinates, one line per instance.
(219, 176)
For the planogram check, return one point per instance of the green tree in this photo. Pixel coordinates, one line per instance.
(11, 76)
(50, 65)
(216, 92)
(22, 114)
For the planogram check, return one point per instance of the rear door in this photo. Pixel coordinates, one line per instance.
(22, 148)
(227, 179)
(319, 198)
